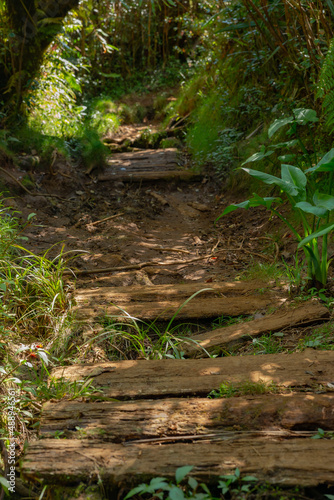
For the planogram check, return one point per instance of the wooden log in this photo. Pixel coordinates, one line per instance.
(148, 176)
(197, 308)
(308, 313)
(137, 293)
(303, 462)
(186, 418)
(197, 377)
(164, 300)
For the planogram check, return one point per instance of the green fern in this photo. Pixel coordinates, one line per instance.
(326, 86)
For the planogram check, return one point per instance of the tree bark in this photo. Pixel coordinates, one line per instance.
(32, 25)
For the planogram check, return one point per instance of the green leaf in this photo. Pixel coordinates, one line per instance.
(327, 229)
(250, 478)
(139, 489)
(237, 472)
(192, 483)
(257, 201)
(305, 206)
(323, 200)
(30, 216)
(285, 158)
(257, 156)
(277, 124)
(288, 144)
(304, 116)
(326, 164)
(181, 472)
(176, 494)
(294, 175)
(5, 484)
(158, 483)
(287, 187)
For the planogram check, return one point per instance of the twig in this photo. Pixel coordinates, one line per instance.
(167, 249)
(136, 266)
(28, 190)
(265, 257)
(104, 220)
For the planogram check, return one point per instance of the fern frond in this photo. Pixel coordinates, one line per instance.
(326, 86)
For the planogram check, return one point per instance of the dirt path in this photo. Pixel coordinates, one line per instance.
(145, 230)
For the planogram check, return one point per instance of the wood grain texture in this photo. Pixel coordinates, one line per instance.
(197, 377)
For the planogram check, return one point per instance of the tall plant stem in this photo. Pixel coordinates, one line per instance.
(324, 263)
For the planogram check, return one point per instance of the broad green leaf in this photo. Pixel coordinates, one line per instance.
(134, 491)
(257, 201)
(287, 187)
(192, 483)
(158, 483)
(304, 116)
(277, 124)
(294, 175)
(326, 164)
(250, 478)
(311, 209)
(323, 200)
(288, 144)
(316, 234)
(257, 156)
(285, 158)
(176, 494)
(181, 472)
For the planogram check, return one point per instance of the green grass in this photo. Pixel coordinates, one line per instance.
(246, 388)
(263, 271)
(34, 321)
(322, 338)
(268, 344)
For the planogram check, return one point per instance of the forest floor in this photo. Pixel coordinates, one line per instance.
(146, 243)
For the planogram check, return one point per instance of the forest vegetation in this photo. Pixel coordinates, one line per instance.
(248, 83)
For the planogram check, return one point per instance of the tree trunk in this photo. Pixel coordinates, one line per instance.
(32, 25)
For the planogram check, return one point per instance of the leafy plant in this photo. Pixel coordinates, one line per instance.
(321, 434)
(160, 488)
(313, 208)
(235, 484)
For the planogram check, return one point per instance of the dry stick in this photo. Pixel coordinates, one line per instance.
(246, 251)
(28, 190)
(167, 249)
(137, 266)
(104, 220)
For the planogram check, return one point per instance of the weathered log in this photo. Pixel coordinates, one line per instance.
(308, 313)
(186, 418)
(197, 377)
(303, 462)
(163, 301)
(197, 308)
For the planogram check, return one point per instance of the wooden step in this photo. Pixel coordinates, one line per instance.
(147, 165)
(302, 462)
(163, 301)
(197, 377)
(186, 419)
(308, 313)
